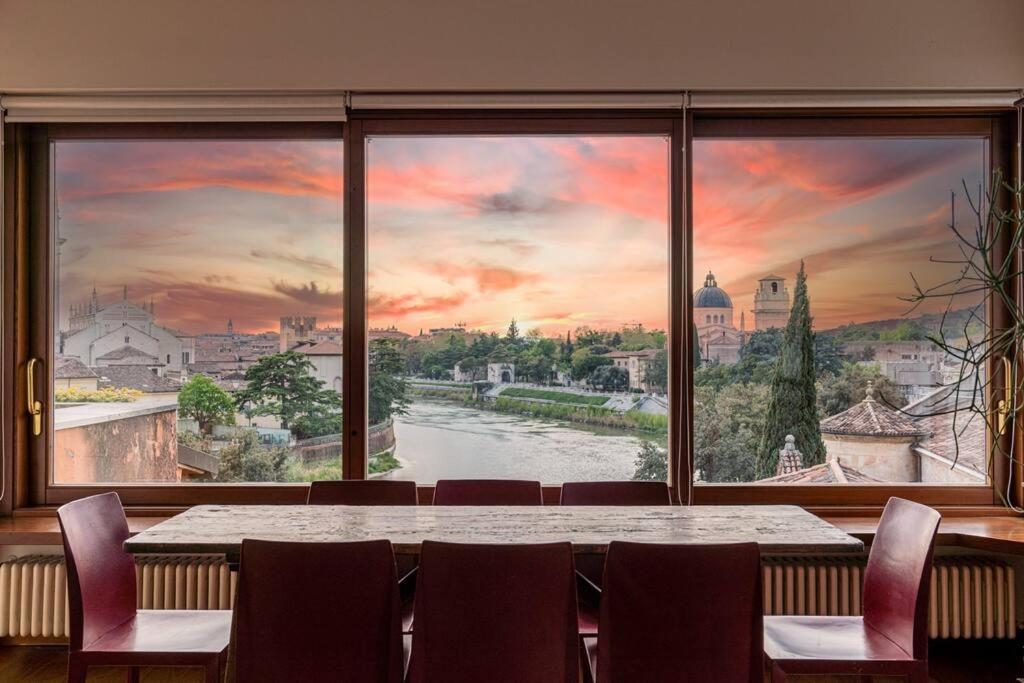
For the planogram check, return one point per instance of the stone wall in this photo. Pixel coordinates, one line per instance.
(884, 458)
(124, 446)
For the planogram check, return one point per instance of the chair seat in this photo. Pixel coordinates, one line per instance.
(821, 644)
(178, 632)
(587, 621)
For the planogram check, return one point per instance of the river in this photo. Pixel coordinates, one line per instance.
(448, 440)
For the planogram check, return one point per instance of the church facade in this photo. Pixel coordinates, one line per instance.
(124, 333)
(714, 318)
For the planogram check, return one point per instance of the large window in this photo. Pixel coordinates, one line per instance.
(816, 366)
(524, 296)
(518, 306)
(196, 321)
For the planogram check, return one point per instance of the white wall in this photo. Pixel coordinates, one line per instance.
(510, 44)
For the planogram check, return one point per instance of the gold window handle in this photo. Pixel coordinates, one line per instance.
(35, 408)
(1005, 405)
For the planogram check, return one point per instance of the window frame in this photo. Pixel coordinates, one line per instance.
(39, 335)
(996, 127)
(28, 261)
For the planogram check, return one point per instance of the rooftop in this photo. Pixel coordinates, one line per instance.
(136, 377)
(871, 418)
(69, 367)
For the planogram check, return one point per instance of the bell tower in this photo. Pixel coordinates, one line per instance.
(771, 303)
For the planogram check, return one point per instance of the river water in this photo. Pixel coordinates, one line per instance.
(448, 440)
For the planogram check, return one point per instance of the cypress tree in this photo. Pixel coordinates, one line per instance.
(792, 399)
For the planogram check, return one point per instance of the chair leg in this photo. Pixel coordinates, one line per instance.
(920, 675)
(133, 674)
(76, 670)
(213, 670)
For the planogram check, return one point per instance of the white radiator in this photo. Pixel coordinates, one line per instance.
(971, 597)
(33, 590)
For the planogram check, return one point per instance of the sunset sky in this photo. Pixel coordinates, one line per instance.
(558, 232)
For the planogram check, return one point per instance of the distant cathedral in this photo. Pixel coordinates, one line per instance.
(713, 316)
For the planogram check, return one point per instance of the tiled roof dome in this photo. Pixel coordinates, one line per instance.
(711, 295)
(871, 418)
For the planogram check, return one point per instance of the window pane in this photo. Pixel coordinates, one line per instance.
(518, 299)
(859, 383)
(197, 311)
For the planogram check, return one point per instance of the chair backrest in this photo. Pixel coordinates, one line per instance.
(487, 492)
(497, 613)
(101, 575)
(680, 613)
(362, 492)
(898, 573)
(615, 493)
(318, 612)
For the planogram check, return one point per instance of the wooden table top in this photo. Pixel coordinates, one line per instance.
(778, 529)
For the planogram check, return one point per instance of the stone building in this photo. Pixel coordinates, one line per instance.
(501, 373)
(635, 363)
(295, 329)
(124, 333)
(874, 439)
(771, 303)
(713, 317)
(326, 359)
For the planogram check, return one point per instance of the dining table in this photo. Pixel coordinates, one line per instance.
(220, 529)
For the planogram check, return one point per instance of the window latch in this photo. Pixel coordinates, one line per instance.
(35, 408)
(1004, 407)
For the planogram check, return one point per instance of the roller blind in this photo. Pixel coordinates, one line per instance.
(696, 99)
(605, 100)
(125, 108)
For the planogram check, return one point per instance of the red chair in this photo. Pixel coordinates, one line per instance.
(496, 613)
(590, 567)
(106, 628)
(891, 639)
(318, 612)
(679, 613)
(487, 492)
(362, 492)
(615, 493)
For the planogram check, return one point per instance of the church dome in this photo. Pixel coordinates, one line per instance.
(711, 295)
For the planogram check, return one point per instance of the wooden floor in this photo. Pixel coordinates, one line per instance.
(962, 662)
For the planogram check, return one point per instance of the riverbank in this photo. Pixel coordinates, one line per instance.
(630, 420)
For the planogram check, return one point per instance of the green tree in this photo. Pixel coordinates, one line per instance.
(848, 387)
(206, 403)
(727, 426)
(388, 386)
(245, 459)
(657, 372)
(651, 462)
(584, 363)
(610, 378)
(792, 401)
(283, 385)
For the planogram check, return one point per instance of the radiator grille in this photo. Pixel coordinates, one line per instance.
(33, 590)
(971, 597)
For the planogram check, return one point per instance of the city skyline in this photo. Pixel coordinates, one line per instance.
(555, 231)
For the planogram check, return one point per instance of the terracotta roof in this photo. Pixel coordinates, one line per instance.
(962, 440)
(324, 348)
(125, 352)
(69, 367)
(136, 377)
(830, 472)
(871, 418)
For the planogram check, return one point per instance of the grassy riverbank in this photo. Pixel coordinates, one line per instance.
(589, 415)
(330, 470)
(556, 396)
